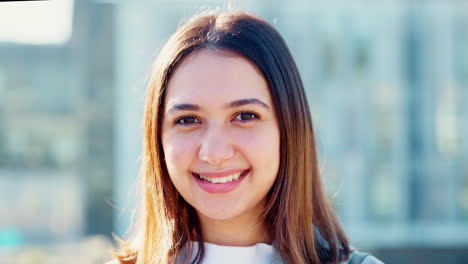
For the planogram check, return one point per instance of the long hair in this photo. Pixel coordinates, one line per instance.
(298, 215)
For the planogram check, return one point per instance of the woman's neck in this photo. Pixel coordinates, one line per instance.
(244, 230)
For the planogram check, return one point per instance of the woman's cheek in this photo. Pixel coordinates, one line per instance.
(260, 143)
(181, 151)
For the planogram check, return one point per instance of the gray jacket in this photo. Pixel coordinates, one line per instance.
(361, 258)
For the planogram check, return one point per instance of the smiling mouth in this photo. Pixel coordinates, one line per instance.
(225, 179)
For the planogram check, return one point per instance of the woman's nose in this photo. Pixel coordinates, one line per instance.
(215, 146)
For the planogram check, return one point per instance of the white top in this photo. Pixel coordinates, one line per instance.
(260, 253)
(257, 254)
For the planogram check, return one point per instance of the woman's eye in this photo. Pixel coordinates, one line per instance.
(187, 120)
(245, 117)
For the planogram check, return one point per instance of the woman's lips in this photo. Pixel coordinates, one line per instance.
(219, 187)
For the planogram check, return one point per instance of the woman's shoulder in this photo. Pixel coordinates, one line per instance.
(361, 258)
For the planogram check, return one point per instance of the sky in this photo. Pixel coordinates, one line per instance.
(36, 22)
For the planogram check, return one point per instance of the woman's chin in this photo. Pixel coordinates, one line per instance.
(229, 212)
(218, 213)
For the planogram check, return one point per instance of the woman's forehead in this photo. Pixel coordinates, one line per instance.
(214, 76)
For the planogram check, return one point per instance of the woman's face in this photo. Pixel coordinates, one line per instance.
(220, 135)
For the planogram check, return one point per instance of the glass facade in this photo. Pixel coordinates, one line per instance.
(56, 140)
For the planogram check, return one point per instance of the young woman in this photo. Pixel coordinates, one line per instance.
(229, 169)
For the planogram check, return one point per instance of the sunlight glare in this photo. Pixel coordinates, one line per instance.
(36, 22)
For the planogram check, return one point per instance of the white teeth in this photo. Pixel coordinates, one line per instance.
(229, 178)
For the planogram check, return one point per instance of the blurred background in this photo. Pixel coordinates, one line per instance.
(387, 83)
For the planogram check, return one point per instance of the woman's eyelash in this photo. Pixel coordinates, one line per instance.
(187, 120)
(246, 116)
(241, 117)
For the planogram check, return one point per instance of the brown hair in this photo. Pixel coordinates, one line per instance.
(298, 214)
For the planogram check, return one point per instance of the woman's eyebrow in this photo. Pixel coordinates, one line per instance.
(233, 104)
(184, 107)
(248, 101)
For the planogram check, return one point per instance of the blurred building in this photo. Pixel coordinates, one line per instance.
(56, 133)
(387, 85)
